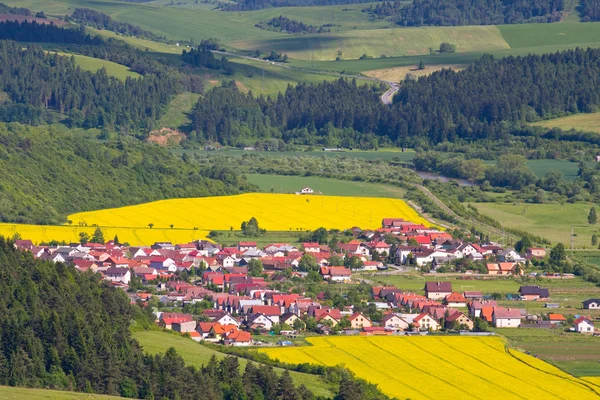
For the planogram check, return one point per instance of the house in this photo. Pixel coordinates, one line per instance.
(245, 246)
(591, 304)
(122, 275)
(225, 318)
(506, 317)
(437, 290)
(458, 320)
(204, 328)
(336, 274)
(167, 319)
(393, 222)
(556, 319)
(184, 326)
(238, 338)
(536, 252)
(455, 299)
(584, 325)
(379, 247)
(357, 321)
(425, 322)
(288, 319)
(328, 315)
(161, 263)
(260, 320)
(273, 312)
(509, 255)
(311, 247)
(533, 293)
(505, 268)
(394, 322)
(473, 295)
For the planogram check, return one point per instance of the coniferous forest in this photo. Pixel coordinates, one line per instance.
(488, 100)
(479, 12)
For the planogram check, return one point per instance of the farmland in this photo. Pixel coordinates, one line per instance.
(551, 221)
(131, 235)
(273, 211)
(441, 367)
(327, 186)
(581, 122)
(155, 342)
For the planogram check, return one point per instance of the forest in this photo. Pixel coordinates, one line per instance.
(204, 57)
(4, 9)
(88, 174)
(249, 5)
(283, 24)
(589, 10)
(100, 20)
(478, 12)
(488, 100)
(44, 81)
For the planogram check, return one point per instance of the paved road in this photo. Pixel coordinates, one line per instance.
(388, 96)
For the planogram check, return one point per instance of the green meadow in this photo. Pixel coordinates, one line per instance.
(195, 354)
(581, 122)
(94, 64)
(325, 186)
(18, 393)
(551, 221)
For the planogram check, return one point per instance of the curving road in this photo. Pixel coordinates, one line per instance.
(388, 97)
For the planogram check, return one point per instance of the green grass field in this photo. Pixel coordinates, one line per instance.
(195, 354)
(94, 64)
(330, 187)
(579, 355)
(581, 122)
(551, 221)
(381, 154)
(375, 42)
(176, 114)
(17, 393)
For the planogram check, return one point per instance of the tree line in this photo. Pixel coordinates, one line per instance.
(286, 25)
(589, 10)
(477, 12)
(248, 5)
(204, 57)
(4, 9)
(100, 20)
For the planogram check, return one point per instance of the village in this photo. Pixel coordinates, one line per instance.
(242, 294)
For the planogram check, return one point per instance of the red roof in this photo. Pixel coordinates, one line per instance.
(247, 244)
(455, 297)
(422, 239)
(267, 310)
(556, 317)
(311, 244)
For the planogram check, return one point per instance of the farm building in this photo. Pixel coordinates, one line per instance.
(306, 190)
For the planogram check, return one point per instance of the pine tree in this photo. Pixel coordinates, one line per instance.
(98, 236)
(594, 239)
(592, 217)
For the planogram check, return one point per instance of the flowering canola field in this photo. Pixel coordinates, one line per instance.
(193, 218)
(279, 212)
(442, 367)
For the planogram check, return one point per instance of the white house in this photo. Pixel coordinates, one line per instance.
(506, 317)
(118, 275)
(395, 322)
(262, 320)
(226, 319)
(584, 325)
(163, 264)
(591, 304)
(306, 190)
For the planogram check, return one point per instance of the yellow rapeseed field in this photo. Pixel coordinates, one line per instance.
(442, 367)
(279, 212)
(193, 218)
(134, 236)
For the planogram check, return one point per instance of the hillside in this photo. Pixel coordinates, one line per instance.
(156, 342)
(16, 393)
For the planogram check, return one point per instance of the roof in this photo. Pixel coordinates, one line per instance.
(438, 287)
(266, 310)
(583, 319)
(310, 244)
(456, 297)
(356, 315)
(556, 317)
(247, 244)
(533, 291)
(453, 317)
(590, 301)
(501, 312)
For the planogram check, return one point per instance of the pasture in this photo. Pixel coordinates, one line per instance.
(375, 42)
(398, 74)
(551, 221)
(94, 64)
(326, 186)
(195, 354)
(441, 367)
(176, 114)
(17, 393)
(279, 212)
(581, 122)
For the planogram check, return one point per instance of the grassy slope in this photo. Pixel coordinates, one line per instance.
(94, 64)
(551, 221)
(176, 114)
(290, 184)
(17, 393)
(382, 154)
(197, 355)
(375, 42)
(582, 122)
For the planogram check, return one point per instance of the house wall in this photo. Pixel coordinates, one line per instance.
(592, 306)
(437, 295)
(507, 322)
(584, 327)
